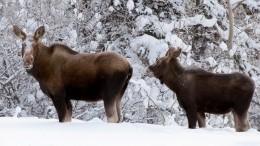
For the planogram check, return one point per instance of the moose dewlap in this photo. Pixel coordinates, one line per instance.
(199, 92)
(64, 74)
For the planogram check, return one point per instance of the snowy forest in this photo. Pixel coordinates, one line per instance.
(220, 36)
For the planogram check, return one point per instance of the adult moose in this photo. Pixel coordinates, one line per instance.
(199, 91)
(64, 74)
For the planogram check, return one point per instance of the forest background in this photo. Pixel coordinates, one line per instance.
(142, 31)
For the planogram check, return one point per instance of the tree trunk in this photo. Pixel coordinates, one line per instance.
(231, 26)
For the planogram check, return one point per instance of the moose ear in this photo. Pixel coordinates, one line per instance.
(173, 53)
(19, 33)
(39, 33)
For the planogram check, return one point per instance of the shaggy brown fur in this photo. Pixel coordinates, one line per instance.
(64, 74)
(199, 91)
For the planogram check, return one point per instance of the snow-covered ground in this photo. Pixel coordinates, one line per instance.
(49, 132)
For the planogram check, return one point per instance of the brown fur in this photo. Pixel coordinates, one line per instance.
(199, 91)
(64, 74)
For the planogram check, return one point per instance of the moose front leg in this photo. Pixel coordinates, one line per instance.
(63, 108)
(192, 118)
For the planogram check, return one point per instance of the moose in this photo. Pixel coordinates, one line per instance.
(199, 91)
(64, 74)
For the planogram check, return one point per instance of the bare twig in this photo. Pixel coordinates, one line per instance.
(155, 105)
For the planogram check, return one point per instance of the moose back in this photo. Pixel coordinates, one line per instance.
(199, 91)
(64, 74)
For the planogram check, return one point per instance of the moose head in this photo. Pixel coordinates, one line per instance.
(161, 68)
(29, 44)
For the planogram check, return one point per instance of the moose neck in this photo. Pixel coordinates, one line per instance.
(41, 66)
(175, 78)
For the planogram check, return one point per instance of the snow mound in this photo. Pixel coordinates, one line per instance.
(49, 132)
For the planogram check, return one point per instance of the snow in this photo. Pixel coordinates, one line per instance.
(111, 9)
(163, 28)
(73, 2)
(93, 45)
(22, 3)
(117, 2)
(223, 46)
(200, 19)
(130, 5)
(156, 48)
(49, 132)
(39, 94)
(80, 16)
(212, 62)
(30, 98)
(175, 41)
(215, 8)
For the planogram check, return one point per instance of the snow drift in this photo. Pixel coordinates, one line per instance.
(49, 132)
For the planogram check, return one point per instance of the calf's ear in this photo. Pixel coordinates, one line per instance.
(173, 53)
(19, 33)
(39, 33)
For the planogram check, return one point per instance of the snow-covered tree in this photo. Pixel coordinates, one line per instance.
(142, 31)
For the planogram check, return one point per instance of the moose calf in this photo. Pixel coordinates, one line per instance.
(64, 74)
(199, 91)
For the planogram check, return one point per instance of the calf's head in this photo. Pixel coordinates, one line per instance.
(161, 67)
(29, 49)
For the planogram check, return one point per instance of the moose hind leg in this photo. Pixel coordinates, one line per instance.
(110, 106)
(68, 115)
(111, 111)
(241, 122)
(118, 101)
(201, 119)
(119, 112)
(113, 92)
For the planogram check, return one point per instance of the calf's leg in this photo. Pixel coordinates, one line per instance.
(201, 119)
(241, 122)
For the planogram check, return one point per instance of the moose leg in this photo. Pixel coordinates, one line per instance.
(118, 108)
(68, 111)
(241, 122)
(118, 102)
(111, 111)
(61, 108)
(113, 92)
(109, 97)
(201, 119)
(192, 118)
